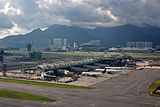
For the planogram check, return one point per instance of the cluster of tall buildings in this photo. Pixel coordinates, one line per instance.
(140, 45)
(59, 44)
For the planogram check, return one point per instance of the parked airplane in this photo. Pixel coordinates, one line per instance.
(116, 68)
(110, 71)
(47, 76)
(94, 74)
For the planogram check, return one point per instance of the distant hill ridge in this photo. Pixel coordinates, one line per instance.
(110, 36)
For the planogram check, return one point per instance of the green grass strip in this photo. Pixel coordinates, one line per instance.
(23, 96)
(42, 83)
(153, 87)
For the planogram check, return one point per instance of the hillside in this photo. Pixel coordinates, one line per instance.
(111, 36)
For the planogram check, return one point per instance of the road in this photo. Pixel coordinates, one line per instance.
(123, 91)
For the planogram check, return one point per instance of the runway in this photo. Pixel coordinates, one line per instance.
(123, 91)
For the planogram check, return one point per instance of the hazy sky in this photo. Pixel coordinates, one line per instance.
(21, 16)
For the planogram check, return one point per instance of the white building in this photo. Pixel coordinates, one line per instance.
(59, 44)
(92, 43)
(95, 42)
(139, 45)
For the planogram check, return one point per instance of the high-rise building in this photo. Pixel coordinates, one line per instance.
(64, 44)
(131, 44)
(59, 43)
(75, 46)
(140, 45)
(148, 44)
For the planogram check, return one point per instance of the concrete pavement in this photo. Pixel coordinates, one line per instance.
(123, 91)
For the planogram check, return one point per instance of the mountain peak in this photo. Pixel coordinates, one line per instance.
(110, 36)
(37, 30)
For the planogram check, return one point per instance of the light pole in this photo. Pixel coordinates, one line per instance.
(4, 69)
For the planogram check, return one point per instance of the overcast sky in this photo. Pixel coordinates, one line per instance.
(22, 16)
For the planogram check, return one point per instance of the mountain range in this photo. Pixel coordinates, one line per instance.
(109, 36)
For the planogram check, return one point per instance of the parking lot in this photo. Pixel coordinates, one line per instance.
(123, 91)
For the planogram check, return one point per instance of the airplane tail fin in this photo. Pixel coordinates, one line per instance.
(104, 71)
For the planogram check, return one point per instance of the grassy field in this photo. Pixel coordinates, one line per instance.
(144, 55)
(91, 54)
(99, 54)
(23, 96)
(72, 56)
(154, 86)
(87, 54)
(42, 83)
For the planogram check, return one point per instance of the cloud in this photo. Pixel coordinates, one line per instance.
(5, 21)
(8, 10)
(14, 30)
(31, 14)
(75, 11)
(137, 12)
